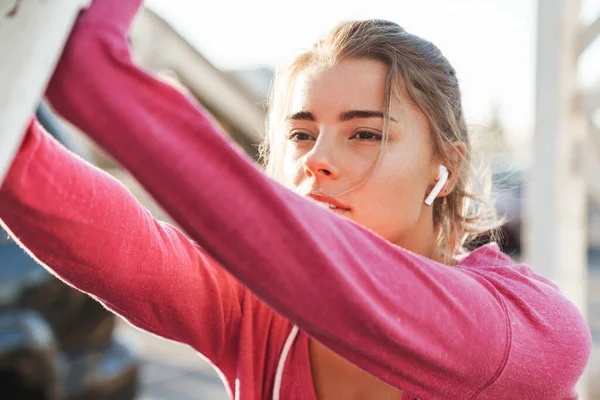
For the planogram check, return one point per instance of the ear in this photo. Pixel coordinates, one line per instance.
(458, 154)
(441, 179)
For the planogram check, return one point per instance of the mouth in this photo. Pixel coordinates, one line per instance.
(330, 203)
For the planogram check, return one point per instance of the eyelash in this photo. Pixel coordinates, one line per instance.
(293, 136)
(374, 137)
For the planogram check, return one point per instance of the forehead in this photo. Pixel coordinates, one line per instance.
(351, 84)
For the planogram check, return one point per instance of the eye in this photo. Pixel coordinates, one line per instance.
(367, 136)
(299, 136)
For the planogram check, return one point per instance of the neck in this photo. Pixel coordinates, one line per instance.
(422, 238)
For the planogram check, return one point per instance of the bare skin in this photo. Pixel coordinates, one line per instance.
(335, 378)
(329, 148)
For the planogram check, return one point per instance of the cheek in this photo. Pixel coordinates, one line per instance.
(293, 173)
(394, 197)
(398, 196)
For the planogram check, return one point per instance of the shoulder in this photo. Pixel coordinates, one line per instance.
(491, 263)
(550, 342)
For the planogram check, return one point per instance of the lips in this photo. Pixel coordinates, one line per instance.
(329, 202)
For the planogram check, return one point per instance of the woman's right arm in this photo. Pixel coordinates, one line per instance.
(91, 232)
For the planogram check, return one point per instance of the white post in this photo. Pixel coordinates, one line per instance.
(555, 223)
(32, 36)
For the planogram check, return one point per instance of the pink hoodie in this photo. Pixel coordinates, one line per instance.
(265, 259)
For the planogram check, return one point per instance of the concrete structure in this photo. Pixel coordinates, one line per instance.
(557, 196)
(159, 48)
(32, 35)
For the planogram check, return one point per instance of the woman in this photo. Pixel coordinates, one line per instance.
(287, 299)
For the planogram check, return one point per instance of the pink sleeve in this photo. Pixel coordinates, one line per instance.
(91, 232)
(431, 330)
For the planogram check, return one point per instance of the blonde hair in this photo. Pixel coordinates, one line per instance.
(417, 69)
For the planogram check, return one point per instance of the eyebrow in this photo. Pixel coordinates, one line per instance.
(345, 116)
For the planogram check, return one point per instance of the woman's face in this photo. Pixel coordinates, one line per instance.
(334, 131)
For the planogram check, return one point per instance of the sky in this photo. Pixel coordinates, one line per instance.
(491, 43)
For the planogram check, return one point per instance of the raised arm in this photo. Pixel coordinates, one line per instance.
(435, 331)
(91, 232)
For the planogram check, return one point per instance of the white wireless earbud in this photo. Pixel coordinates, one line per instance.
(441, 181)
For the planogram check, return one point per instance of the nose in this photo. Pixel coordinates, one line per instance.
(321, 160)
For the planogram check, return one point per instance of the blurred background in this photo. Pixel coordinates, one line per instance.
(224, 54)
